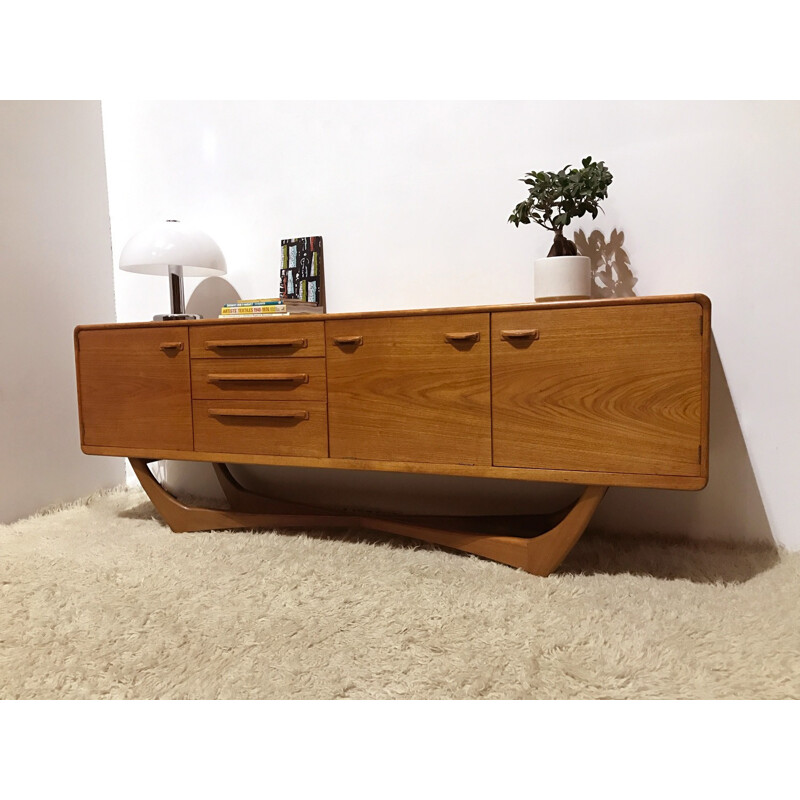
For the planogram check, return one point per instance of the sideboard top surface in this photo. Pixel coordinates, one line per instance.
(700, 299)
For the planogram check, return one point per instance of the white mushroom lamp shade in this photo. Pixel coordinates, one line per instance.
(175, 249)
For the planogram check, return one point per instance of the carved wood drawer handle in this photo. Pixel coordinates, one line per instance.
(469, 336)
(256, 412)
(257, 343)
(530, 333)
(171, 346)
(348, 340)
(299, 377)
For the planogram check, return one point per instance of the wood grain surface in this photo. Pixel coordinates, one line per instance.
(409, 392)
(603, 392)
(269, 427)
(133, 391)
(267, 339)
(454, 312)
(259, 379)
(584, 478)
(600, 389)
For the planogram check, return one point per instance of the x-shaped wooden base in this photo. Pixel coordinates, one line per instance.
(537, 544)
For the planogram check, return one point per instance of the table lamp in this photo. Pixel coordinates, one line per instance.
(177, 250)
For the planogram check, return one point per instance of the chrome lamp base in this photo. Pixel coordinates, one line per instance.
(170, 317)
(177, 305)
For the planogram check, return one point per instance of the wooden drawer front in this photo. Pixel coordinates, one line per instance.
(259, 379)
(410, 389)
(605, 390)
(134, 388)
(259, 339)
(268, 428)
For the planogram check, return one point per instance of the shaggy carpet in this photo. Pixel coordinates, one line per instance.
(101, 600)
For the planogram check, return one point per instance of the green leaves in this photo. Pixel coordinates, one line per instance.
(561, 220)
(556, 198)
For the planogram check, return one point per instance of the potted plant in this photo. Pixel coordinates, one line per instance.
(554, 200)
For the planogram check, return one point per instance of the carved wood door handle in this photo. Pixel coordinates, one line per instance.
(211, 345)
(519, 335)
(256, 412)
(299, 377)
(467, 336)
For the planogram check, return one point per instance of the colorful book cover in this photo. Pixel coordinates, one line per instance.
(302, 269)
(265, 309)
(254, 316)
(261, 301)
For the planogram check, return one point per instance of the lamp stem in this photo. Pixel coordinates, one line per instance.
(175, 272)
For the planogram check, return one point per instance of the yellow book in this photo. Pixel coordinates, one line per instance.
(272, 308)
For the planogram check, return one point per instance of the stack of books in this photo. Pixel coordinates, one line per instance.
(260, 307)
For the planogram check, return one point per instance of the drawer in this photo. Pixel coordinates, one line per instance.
(259, 339)
(259, 379)
(270, 428)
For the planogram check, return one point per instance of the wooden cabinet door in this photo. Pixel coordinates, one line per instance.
(410, 389)
(134, 388)
(614, 389)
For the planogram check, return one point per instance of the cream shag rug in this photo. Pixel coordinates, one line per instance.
(100, 599)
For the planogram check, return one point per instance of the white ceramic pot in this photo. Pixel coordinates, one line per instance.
(562, 278)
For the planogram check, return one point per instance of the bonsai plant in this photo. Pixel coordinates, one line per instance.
(554, 200)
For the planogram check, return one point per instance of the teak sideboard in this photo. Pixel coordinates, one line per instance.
(596, 392)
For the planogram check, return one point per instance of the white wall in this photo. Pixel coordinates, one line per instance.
(55, 267)
(412, 201)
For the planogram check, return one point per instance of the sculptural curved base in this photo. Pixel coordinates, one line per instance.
(535, 543)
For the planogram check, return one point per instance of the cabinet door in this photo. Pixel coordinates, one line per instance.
(410, 389)
(599, 389)
(134, 388)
